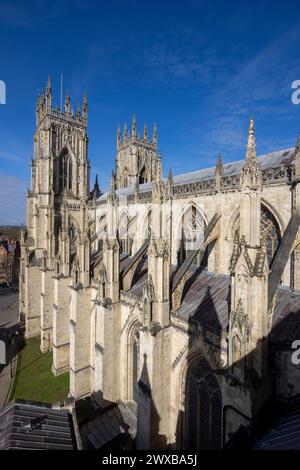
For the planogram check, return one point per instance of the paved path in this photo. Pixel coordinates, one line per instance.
(9, 314)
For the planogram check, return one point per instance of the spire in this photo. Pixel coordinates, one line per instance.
(48, 87)
(113, 182)
(67, 103)
(219, 166)
(219, 172)
(84, 107)
(118, 137)
(154, 134)
(125, 132)
(38, 101)
(250, 176)
(96, 185)
(251, 149)
(133, 127)
(145, 132)
(169, 189)
(170, 178)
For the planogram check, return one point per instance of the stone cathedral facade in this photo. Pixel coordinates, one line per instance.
(177, 297)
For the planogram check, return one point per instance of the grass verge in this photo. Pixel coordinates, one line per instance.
(33, 378)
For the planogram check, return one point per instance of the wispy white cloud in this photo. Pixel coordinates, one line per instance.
(12, 157)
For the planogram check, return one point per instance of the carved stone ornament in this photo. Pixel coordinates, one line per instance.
(239, 319)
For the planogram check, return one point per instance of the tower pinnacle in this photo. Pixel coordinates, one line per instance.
(48, 95)
(251, 148)
(84, 107)
(133, 127)
(118, 137)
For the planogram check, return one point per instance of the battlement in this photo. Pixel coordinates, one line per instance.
(134, 138)
(44, 108)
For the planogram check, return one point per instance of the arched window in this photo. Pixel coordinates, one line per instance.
(192, 232)
(142, 177)
(125, 178)
(124, 234)
(203, 408)
(270, 231)
(65, 171)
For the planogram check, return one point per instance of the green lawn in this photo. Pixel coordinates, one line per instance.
(34, 379)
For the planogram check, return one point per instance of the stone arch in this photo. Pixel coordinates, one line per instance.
(66, 170)
(146, 226)
(125, 177)
(200, 424)
(271, 226)
(123, 232)
(143, 175)
(191, 223)
(275, 213)
(232, 223)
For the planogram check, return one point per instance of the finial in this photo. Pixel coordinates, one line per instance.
(67, 102)
(145, 132)
(84, 106)
(219, 166)
(113, 182)
(133, 127)
(48, 95)
(154, 134)
(170, 177)
(125, 132)
(118, 137)
(48, 87)
(251, 149)
(38, 100)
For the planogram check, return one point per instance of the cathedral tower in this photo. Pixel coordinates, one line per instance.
(137, 160)
(56, 207)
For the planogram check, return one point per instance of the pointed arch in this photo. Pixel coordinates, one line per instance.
(125, 177)
(271, 227)
(201, 421)
(190, 232)
(123, 232)
(143, 175)
(146, 225)
(65, 171)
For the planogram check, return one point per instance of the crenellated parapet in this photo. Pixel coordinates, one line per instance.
(44, 108)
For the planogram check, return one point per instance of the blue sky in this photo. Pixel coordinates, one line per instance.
(197, 68)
